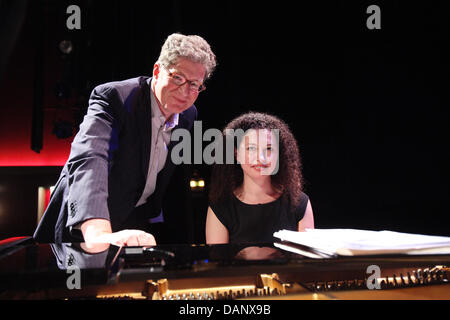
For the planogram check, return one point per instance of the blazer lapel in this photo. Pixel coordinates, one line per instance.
(145, 123)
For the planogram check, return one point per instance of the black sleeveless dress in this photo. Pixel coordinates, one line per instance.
(256, 223)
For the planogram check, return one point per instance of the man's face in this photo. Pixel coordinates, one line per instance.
(171, 97)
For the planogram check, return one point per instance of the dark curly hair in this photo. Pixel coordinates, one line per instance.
(226, 178)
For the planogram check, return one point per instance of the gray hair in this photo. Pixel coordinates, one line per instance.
(193, 48)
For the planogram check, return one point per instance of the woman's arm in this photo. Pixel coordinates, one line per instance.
(308, 219)
(216, 232)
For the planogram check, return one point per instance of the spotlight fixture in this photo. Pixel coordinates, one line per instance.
(197, 183)
(66, 47)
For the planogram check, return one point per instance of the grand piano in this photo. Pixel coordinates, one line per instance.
(70, 271)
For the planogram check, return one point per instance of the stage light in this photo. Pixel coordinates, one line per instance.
(197, 183)
(193, 184)
(66, 46)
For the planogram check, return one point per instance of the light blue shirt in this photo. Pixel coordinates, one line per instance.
(161, 132)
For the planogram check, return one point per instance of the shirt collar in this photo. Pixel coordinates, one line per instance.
(168, 124)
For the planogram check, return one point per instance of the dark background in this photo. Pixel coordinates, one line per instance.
(369, 108)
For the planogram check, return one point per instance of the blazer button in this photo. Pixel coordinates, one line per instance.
(70, 260)
(72, 209)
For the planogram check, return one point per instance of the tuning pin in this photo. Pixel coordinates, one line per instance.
(431, 276)
(434, 275)
(363, 284)
(315, 286)
(338, 285)
(388, 284)
(445, 275)
(410, 282)
(420, 276)
(349, 284)
(402, 278)
(346, 284)
(417, 275)
(395, 281)
(333, 286)
(425, 275)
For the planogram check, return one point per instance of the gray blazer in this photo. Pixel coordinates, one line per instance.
(107, 168)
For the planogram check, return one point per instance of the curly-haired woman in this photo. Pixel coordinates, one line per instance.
(261, 192)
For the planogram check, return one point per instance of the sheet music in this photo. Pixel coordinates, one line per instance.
(349, 242)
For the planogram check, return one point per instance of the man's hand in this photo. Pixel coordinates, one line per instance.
(99, 231)
(130, 238)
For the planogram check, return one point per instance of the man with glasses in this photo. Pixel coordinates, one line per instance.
(119, 168)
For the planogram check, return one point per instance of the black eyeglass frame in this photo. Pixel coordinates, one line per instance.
(183, 81)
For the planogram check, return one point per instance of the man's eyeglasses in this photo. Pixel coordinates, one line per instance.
(180, 80)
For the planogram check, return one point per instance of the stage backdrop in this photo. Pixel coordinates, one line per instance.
(369, 107)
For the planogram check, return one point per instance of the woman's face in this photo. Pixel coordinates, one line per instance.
(258, 153)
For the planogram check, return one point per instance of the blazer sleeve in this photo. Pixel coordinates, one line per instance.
(88, 163)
